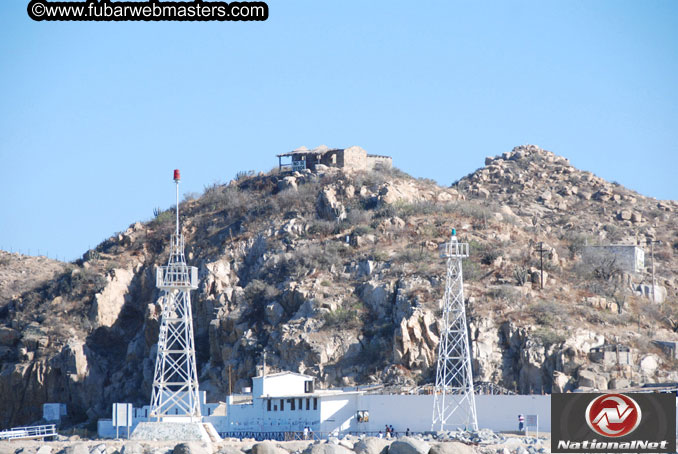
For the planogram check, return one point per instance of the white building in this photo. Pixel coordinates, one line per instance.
(288, 402)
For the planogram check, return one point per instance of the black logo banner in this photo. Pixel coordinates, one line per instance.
(629, 422)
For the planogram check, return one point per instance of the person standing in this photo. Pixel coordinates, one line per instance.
(521, 422)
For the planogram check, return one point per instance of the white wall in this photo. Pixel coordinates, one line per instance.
(501, 412)
(494, 412)
(256, 417)
(400, 411)
(278, 385)
(339, 413)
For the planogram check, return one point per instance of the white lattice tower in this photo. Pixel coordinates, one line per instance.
(175, 381)
(454, 404)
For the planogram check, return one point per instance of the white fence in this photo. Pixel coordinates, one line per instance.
(18, 433)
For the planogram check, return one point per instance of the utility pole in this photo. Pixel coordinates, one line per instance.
(263, 372)
(230, 381)
(652, 242)
(541, 251)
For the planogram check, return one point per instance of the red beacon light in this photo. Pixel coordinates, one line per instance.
(177, 175)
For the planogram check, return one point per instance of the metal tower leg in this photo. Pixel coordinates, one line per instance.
(175, 382)
(454, 403)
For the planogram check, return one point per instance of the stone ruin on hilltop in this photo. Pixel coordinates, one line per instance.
(351, 158)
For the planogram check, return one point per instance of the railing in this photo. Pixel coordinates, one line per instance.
(294, 166)
(310, 435)
(177, 276)
(454, 249)
(18, 433)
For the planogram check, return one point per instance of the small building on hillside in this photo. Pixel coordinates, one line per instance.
(610, 354)
(351, 158)
(627, 258)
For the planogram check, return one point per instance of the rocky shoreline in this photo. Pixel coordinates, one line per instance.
(481, 442)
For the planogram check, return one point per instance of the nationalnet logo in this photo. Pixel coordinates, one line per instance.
(639, 422)
(613, 415)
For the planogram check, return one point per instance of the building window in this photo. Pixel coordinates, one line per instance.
(363, 416)
(301, 403)
(282, 404)
(275, 408)
(291, 402)
(268, 405)
(315, 403)
(308, 403)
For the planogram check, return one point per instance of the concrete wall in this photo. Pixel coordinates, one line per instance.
(415, 412)
(53, 412)
(256, 416)
(338, 413)
(610, 357)
(355, 158)
(375, 162)
(630, 259)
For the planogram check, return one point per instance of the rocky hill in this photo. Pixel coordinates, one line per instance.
(338, 275)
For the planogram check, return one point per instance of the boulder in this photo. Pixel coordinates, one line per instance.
(326, 448)
(371, 445)
(365, 267)
(619, 383)
(274, 313)
(560, 381)
(393, 192)
(590, 379)
(451, 447)
(132, 448)
(409, 445)
(347, 443)
(649, 364)
(267, 447)
(8, 336)
(78, 448)
(287, 183)
(291, 446)
(44, 450)
(328, 207)
(97, 449)
(191, 447)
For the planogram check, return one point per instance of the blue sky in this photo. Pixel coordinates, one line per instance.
(94, 116)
